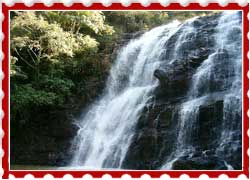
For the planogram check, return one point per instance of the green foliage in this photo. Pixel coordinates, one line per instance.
(86, 22)
(132, 21)
(35, 33)
(184, 15)
(57, 85)
(26, 95)
(25, 99)
(45, 56)
(16, 70)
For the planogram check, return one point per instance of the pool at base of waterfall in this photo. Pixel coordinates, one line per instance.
(31, 167)
(40, 167)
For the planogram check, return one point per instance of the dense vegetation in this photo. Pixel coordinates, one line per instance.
(58, 58)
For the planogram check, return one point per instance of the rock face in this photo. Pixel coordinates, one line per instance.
(200, 162)
(46, 143)
(155, 144)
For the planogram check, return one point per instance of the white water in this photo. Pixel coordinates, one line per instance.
(233, 100)
(187, 31)
(107, 128)
(228, 25)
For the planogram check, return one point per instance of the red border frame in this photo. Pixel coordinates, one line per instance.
(116, 174)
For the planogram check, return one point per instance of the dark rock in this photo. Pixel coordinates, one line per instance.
(46, 141)
(156, 130)
(201, 163)
(162, 76)
(207, 130)
(142, 152)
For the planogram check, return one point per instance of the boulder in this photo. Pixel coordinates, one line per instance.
(201, 163)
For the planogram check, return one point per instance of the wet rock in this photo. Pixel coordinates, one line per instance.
(207, 131)
(201, 163)
(162, 76)
(141, 153)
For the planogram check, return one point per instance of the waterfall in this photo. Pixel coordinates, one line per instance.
(107, 128)
(218, 77)
(192, 70)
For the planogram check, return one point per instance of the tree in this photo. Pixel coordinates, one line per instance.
(46, 56)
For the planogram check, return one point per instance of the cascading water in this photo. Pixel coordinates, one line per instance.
(198, 65)
(230, 139)
(212, 81)
(108, 127)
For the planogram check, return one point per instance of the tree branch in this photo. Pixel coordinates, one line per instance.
(31, 56)
(24, 60)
